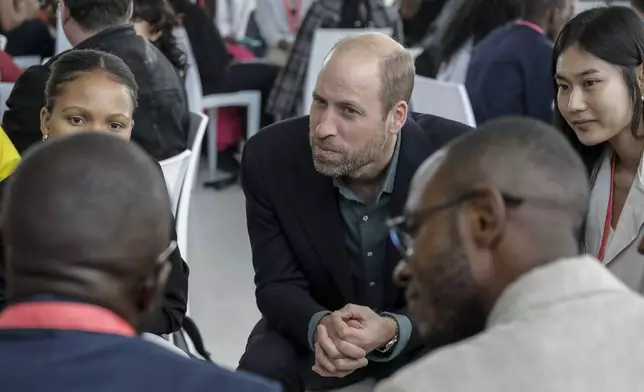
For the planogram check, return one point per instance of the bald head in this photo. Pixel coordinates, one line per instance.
(394, 65)
(523, 158)
(85, 217)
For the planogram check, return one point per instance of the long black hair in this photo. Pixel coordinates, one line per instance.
(71, 64)
(473, 19)
(615, 35)
(162, 18)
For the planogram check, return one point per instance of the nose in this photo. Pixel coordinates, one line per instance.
(323, 124)
(402, 274)
(576, 101)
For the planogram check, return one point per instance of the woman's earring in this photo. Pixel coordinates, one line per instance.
(45, 136)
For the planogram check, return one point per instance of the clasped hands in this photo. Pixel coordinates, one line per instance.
(345, 337)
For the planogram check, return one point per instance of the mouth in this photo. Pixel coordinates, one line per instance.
(581, 123)
(326, 151)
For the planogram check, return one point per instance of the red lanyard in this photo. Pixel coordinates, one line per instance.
(609, 213)
(531, 25)
(72, 316)
(293, 15)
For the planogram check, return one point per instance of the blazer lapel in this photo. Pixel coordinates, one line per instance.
(415, 147)
(630, 221)
(316, 205)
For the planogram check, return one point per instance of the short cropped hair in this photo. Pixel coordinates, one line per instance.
(93, 15)
(524, 158)
(397, 67)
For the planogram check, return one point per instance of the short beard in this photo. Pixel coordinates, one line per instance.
(351, 161)
(455, 298)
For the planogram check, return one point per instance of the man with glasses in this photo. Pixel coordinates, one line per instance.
(318, 192)
(87, 260)
(490, 234)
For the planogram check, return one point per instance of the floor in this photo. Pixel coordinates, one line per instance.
(222, 300)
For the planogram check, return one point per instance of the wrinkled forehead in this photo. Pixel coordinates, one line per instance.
(422, 179)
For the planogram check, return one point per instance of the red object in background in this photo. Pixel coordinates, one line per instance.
(9, 71)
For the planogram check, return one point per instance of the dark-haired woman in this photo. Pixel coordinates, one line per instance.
(599, 77)
(155, 20)
(459, 27)
(90, 90)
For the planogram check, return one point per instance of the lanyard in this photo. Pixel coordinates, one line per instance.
(531, 25)
(609, 213)
(293, 14)
(72, 316)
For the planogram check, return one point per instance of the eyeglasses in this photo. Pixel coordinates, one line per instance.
(403, 228)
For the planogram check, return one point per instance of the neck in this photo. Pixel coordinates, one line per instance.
(76, 34)
(628, 150)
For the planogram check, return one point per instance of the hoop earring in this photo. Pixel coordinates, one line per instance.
(45, 136)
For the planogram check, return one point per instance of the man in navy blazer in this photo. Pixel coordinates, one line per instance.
(87, 239)
(318, 192)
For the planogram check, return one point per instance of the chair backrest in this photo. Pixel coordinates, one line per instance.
(198, 123)
(323, 42)
(24, 62)
(193, 88)
(62, 44)
(5, 91)
(174, 171)
(443, 99)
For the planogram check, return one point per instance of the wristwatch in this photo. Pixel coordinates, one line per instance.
(388, 348)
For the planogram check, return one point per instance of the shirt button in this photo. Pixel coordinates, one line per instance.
(365, 218)
(370, 254)
(372, 284)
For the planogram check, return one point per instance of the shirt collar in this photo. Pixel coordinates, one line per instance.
(390, 178)
(551, 284)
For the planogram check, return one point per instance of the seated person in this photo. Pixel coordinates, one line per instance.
(9, 156)
(162, 118)
(510, 70)
(218, 71)
(289, 85)
(278, 21)
(87, 265)
(155, 21)
(95, 91)
(27, 34)
(317, 226)
(499, 264)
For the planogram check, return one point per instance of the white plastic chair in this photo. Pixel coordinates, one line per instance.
(5, 91)
(323, 41)
(44, 60)
(24, 62)
(443, 99)
(174, 172)
(250, 99)
(198, 123)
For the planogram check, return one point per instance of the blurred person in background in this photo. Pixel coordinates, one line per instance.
(599, 78)
(461, 25)
(509, 73)
(278, 22)
(27, 34)
(155, 20)
(417, 16)
(287, 93)
(9, 71)
(9, 159)
(161, 120)
(231, 18)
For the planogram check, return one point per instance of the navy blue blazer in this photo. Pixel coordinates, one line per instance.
(510, 73)
(70, 361)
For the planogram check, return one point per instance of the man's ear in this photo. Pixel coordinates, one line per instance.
(399, 116)
(486, 217)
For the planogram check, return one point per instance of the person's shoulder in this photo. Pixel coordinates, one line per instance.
(439, 129)
(280, 137)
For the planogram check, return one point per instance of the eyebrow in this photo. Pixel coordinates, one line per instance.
(578, 75)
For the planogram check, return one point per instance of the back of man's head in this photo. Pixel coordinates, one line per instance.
(86, 217)
(95, 15)
(527, 160)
